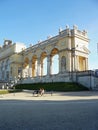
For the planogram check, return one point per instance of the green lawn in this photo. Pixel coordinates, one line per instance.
(9, 91)
(4, 91)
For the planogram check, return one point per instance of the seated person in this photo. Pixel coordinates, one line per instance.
(41, 91)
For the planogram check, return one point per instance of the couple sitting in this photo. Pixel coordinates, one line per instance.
(39, 92)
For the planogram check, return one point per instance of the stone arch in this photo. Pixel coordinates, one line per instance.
(63, 63)
(43, 63)
(34, 66)
(54, 51)
(55, 61)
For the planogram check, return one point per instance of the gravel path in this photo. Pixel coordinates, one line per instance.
(24, 112)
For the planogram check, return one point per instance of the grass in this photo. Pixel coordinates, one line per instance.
(9, 91)
(55, 86)
(4, 91)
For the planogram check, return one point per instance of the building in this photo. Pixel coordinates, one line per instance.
(10, 60)
(47, 61)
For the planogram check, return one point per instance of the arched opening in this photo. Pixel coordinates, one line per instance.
(54, 61)
(26, 67)
(34, 66)
(43, 64)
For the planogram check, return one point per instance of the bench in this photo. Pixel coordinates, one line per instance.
(37, 92)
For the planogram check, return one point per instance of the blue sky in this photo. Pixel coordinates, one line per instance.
(29, 21)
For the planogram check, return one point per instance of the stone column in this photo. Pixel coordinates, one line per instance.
(59, 63)
(38, 67)
(75, 66)
(22, 73)
(60, 67)
(30, 68)
(86, 64)
(70, 62)
(42, 69)
(75, 63)
(73, 60)
(48, 65)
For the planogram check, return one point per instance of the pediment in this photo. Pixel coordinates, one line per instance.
(85, 49)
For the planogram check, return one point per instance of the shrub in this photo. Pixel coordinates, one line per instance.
(55, 86)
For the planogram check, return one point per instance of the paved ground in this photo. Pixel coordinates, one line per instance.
(62, 111)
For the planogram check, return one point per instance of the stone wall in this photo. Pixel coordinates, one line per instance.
(86, 78)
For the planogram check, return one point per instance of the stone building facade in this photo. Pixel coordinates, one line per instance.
(51, 60)
(10, 60)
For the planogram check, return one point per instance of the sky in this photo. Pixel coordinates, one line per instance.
(29, 21)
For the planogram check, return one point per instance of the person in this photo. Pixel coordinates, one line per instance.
(39, 92)
(42, 91)
(35, 92)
